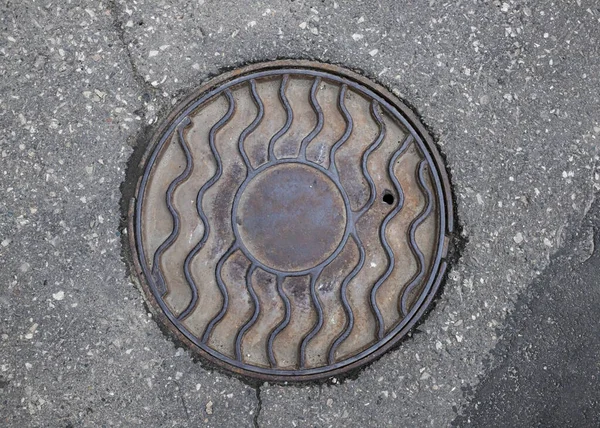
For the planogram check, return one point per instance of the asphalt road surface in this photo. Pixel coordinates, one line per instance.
(511, 92)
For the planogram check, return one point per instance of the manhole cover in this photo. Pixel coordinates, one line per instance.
(291, 221)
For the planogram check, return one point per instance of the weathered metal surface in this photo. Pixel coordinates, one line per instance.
(291, 221)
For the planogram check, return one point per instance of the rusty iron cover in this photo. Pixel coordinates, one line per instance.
(291, 221)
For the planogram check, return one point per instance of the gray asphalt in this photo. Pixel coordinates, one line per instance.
(548, 362)
(511, 92)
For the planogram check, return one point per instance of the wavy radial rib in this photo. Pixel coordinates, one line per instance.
(225, 304)
(253, 318)
(199, 198)
(319, 324)
(319, 112)
(289, 117)
(257, 120)
(365, 158)
(347, 132)
(283, 324)
(413, 242)
(156, 273)
(389, 254)
(344, 297)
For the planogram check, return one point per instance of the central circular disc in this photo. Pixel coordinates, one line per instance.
(291, 217)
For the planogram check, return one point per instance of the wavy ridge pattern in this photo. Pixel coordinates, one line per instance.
(332, 167)
(156, 270)
(317, 327)
(345, 303)
(353, 216)
(289, 117)
(347, 132)
(319, 112)
(372, 195)
(257, 120)
(235, 246)
(283, 324)
(225, 304)
(389, 253)
(253, 318)
(365, 158)
(199, 198)
(413, 242)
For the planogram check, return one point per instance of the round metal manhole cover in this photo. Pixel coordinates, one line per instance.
(291, 221)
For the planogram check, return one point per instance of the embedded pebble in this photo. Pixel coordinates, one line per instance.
(59, 295)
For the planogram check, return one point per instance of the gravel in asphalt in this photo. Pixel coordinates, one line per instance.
(509, 90)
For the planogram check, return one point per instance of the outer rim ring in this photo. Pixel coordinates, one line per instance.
(397, 109)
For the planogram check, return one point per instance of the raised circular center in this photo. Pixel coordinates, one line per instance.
(291, 217)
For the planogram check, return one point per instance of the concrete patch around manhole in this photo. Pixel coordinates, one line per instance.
(291, 221)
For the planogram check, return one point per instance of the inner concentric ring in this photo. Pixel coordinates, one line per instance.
(291, 217)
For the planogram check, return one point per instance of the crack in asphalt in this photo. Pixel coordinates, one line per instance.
(258, 407)
(118, 26)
